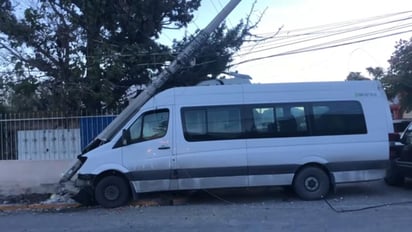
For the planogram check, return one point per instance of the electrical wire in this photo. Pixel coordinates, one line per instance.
(324, 34)
(304, 50)
(364, 208)
(343, 23)
(330, 205)
(336, 25)
(290, 43)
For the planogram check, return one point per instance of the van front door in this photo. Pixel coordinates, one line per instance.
(147, 154)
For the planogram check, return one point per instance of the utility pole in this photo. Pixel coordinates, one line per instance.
(134, 106)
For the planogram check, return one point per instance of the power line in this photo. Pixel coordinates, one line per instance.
(343, 23)
(316, 49)
(370, 33)
(357, 31)
(291, 39)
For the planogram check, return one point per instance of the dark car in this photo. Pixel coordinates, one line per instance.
(400, 159)
(399, 125)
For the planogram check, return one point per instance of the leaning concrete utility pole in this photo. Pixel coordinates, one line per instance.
(134, 106)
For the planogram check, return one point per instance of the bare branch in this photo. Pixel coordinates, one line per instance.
(264, 38)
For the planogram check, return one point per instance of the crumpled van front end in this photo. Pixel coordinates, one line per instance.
(91, 166)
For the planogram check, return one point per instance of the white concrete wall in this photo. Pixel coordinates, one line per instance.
(31, 176)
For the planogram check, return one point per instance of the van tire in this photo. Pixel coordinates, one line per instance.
(112, 191)
(311, 183)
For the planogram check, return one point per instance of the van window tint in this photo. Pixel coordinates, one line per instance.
(264, 120)
(281, 120)
(212, 123)
(338, 118)
(222, 121)
(291, 120)
(273, 120)
(150, 125)
(195, 122)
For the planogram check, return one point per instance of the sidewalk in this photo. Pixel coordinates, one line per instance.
(22, 177)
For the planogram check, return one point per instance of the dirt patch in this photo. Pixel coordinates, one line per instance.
(32, 198)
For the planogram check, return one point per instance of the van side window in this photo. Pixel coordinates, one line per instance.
(291, 120)
(271, 120)
(264, 120)
(212, 123)
(280, 120)
(338, 118)
(150, 125)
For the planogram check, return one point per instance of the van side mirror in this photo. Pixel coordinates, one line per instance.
(125, 137)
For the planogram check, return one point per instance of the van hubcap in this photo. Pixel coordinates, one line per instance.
(111, 193)
(311, 183)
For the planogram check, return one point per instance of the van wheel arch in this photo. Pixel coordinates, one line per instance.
(108, 173)
(316, 168)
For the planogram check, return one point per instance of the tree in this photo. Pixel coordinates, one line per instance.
(77, 54)
(398, 79)
(213, 56)
(45, 49)
(121, 46)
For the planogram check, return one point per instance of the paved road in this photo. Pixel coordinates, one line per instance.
(369, 206)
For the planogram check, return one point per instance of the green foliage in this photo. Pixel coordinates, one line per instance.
(398, 80)
(25, 95)
(45, 50)
(121, 45)
(75, 54)
(213, 56)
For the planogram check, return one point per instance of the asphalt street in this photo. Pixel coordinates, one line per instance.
(371, 206)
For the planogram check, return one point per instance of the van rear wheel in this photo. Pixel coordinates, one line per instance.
(112, 191)
(311, 183)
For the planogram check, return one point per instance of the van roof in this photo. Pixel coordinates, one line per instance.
(374, 86)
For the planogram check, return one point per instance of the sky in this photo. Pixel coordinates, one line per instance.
(292, 22)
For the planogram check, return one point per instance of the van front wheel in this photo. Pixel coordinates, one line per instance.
(311, 183)
(112, 191)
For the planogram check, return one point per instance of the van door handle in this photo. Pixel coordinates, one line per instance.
(164, 147)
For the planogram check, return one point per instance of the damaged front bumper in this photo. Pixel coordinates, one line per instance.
(85, 180)
(85, 189)
(81, 189)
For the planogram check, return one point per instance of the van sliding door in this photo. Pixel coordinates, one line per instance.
(273, 150)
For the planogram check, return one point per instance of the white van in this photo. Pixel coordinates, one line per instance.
(308, 135)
